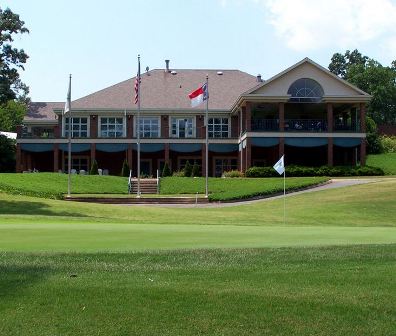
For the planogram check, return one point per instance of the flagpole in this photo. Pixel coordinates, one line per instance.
(138, 133)
(284, 194)
(207, 138)
(69, 140)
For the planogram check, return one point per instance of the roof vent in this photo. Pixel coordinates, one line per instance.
(259, 78)
(173, 72)
(219, 73)
(167, 66)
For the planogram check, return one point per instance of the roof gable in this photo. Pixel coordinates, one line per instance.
(332, 85)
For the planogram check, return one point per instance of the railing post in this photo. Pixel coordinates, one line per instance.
(158, 178)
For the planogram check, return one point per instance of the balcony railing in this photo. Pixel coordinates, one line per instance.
(347, 127)
(265, 125)
(305, 125)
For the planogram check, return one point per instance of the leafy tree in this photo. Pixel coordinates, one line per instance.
(94, 168)
(370, 76)
(11, 115)
(166, 171)
(7, 155)
(125, 169)
(187, 169)
(195, 170)
(374, 145)
(11, 59)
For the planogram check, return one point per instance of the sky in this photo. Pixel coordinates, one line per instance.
(98, 41)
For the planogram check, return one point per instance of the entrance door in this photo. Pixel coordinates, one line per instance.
(184, 128)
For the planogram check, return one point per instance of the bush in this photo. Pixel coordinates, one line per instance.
(94, 168)
(195, 170)
(300, 171)
(166, 171)
(7, 155)
(179, 173)
(233, 173)
(125, 169)
(374, 145)
(388, 143)
(187, 169)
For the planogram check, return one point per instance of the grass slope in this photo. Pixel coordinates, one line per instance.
(305, 291)
(385, 161)
(358, 214)
(53, 185)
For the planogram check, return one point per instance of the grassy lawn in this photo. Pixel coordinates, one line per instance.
(235, 188)
(289, 291)
(385, 161)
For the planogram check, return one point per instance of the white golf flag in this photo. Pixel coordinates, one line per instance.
(68, 99)
(280, 166)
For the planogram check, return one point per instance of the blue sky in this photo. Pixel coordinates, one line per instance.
(98, 41)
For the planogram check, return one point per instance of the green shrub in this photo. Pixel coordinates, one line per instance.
(233, 173)
(166, 171)
(374, 145)
(261, 172)
(94, 168)
(187, 169)
(125, 169)
(178, 173)
(195, 170)
(388, 143)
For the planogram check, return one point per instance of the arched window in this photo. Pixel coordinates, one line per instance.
(305, 90)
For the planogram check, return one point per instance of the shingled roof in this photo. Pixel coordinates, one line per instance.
(39, 111)
(163, 90)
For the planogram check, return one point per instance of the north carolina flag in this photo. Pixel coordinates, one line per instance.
(280, 166)
(199, 95)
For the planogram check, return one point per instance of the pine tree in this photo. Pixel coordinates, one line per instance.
(166, 171)
(187, 169)
(195, 170)
(125, 169)
(94, 168)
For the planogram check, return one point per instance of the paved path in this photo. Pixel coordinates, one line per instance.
(336, 183)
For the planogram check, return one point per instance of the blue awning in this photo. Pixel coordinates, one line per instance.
(265, 142)
(75, 148)
(346, 142)
(149, 148)
(223, 148)
(37, 147)
(111, 147)
(185, 148)
(306, 142)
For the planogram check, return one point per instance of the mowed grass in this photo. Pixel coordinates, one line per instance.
(385, 161)
(351, 215)
(223, 189)
(288, 291)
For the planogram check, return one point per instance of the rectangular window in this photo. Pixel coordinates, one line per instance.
(182, 128)
(149, 127)
(78, 163)
(111, 127)
(218, 128)
(79, 127)
(224, 164)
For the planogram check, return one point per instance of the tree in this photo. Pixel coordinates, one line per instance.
(11, 115)
(166, 171)
(11, 59)
(187, 169)
(125, 169)
(374, 145)
(370, 76)
(94, 168)
(7, 155)
(195, 170)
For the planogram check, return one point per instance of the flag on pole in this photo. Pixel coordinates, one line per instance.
(137, 84)
(280, 166)
(68, 100)
(198, 96)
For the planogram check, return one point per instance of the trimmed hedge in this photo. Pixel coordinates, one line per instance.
(300, 171)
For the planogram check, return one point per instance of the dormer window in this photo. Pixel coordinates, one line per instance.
(305, 90)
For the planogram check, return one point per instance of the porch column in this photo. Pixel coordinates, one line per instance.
(167, 153)
(93, 133)
(93, 153)
(330, 160)
(164, 126)
(129, 155)
(281, 146)
(248, 154)
(281, 110)
(200, 130)
(363, 152)
(18, 159)
(203, 155)
(248, 118)
(329, 117)
(56, 158)
(363, 118)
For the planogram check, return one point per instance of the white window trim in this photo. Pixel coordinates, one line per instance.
(124, 122)
(148, 117)
(228, 122)
(194, 127)
(77, 116)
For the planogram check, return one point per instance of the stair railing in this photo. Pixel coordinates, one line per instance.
(158, 179)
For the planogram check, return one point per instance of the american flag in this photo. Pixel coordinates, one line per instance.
(137, 83)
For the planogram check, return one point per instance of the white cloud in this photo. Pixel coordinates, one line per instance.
(314, 24)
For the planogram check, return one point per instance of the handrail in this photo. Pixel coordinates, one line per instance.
(158, 179)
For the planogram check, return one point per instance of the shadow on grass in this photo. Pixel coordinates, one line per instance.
(32, 208)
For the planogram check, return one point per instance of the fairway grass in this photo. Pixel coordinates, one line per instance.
(285, 291)
(386, 161)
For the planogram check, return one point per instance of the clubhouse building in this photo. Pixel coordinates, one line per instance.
(305, 112)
